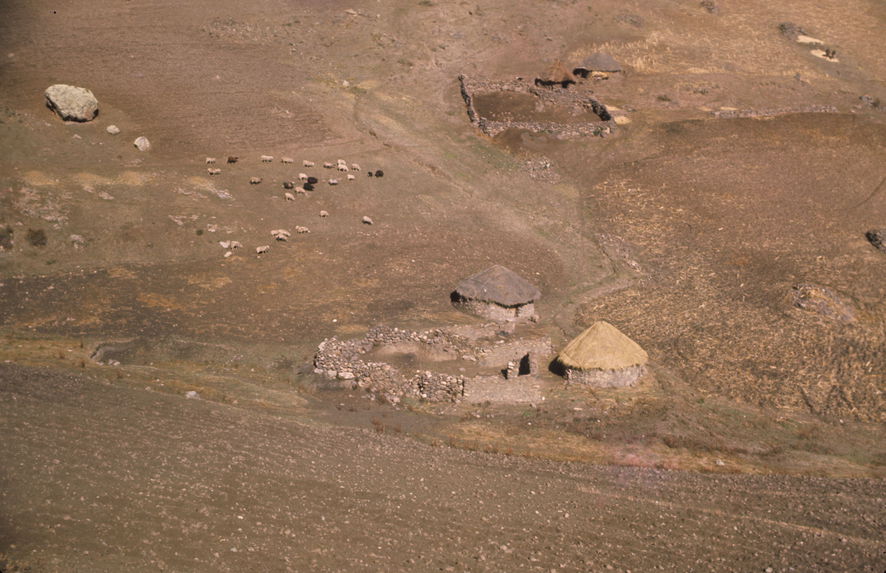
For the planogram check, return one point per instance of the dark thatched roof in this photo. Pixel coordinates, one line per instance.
(599, 62)
(499, 285)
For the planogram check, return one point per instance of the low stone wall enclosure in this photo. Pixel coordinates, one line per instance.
(346, 361)
(601, 125)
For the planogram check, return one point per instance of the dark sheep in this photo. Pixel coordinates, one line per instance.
(313, 180)
(233, 159)
(379, 173)
(308, 187)
(288, 185)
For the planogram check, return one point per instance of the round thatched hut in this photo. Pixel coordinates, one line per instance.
(557, 74)
(598, 62)
(603, 357)
(497, 293)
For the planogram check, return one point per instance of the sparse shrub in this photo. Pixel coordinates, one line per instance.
(36, 237)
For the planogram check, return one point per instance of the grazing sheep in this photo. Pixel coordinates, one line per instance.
(313, 180)
(379, 173)
(233, 159)
(281, 234)
(302, 230)
(229, 254)
(324, 214)
(341, 162)
(307, 163)
(254, 180)
(343, 168)
(225, 244)
(267, 158)
(370, 173)
(210, 160)
(367, 220)
(333, 181)
(328, 165)
(308, 187)
(351, 177)
(302, 176)
(355, 167)
(288, 185)
(287, 160)
(213, 171)
(289, 196)
(301, 191)
(262, 249)
(236, 245)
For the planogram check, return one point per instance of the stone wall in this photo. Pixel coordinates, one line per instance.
(343, 360)
(575, 98)
(496, 312)
(605, 378)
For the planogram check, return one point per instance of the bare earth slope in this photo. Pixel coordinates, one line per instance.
(721, 224)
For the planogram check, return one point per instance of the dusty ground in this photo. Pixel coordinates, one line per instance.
(688, 232)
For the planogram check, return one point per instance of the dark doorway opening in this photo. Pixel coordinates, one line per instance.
(525, 366)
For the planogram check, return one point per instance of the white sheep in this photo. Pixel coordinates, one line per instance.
(213, 171)
(225, 244)
(328, 165)
(343, 168)
(302, 176)
(355, 167)
(254, 180)
(287, 160)
(333, 181)
(367, 220)
(307, 163)
(236, 245)
(289, 196)
(324, 214)
(351, 176)
(281, 234)
(302, 230)
(262, 249)
(300, 191)
(210, 160)
(267, 158)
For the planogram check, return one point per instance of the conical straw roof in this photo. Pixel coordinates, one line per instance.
(499, 285)
(557, 73)
(604, 347)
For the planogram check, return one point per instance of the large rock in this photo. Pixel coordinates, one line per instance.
(71, 103)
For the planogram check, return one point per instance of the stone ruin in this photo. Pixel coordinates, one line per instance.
(346, 362)
(600, 123)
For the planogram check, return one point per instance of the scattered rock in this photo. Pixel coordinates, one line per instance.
(112, 129)
(824, 301)
(142, 144)
(877, 237)
(367, 220)
(192, 394)
(77, 241)
(71, 103)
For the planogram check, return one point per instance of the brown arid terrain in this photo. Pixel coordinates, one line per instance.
(160, 409)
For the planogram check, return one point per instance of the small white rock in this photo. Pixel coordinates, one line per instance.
(142, 143)
(112, 129)
(191, 394)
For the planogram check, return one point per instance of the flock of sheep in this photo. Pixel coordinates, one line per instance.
(304, 184)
